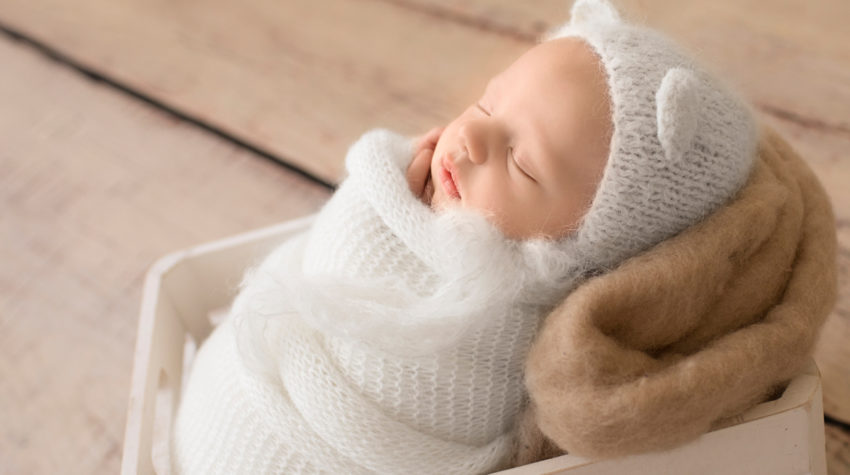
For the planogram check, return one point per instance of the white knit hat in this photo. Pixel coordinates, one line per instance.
(682, 145)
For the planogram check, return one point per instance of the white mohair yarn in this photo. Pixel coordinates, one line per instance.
(683, 141)
(390, 339)
(387, 339)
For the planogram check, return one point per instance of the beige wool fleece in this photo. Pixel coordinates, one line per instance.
(697, 329)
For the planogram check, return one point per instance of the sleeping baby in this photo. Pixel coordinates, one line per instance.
(391, 336)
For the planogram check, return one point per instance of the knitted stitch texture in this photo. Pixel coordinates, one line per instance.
(391, 339)
(683, 142)
(684, 337)
(387, 339)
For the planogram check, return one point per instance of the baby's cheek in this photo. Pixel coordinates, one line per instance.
(516, 219)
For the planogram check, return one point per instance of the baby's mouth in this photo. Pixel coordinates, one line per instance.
(448, 177)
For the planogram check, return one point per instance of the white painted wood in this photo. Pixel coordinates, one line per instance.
(181, 291)
(783, 436)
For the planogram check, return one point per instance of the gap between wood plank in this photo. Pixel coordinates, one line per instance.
(827, 419)
(518, 34)
(96, 76)
(438, 12)
(807, 122)
(442, 13)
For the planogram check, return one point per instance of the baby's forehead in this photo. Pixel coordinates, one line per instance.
(569, 55)
(563, 72)
(559, 77)
(557, 95)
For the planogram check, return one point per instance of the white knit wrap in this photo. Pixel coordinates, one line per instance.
(388, 339)
(391, 339)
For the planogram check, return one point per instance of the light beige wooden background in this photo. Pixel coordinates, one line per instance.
(98, 178)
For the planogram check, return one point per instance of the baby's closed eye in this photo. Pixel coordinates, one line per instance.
(512, 156)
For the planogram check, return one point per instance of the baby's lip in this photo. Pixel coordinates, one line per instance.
(448, 177)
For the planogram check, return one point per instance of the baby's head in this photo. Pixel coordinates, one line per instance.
(530, 151)
(606, 132)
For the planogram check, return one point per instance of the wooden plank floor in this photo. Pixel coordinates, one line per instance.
(300, 78)
(95, 184)
(304, 78)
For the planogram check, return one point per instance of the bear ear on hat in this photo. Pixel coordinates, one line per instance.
(586, 12)
(677, 112)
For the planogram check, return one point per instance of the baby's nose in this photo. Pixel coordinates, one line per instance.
(475, 141)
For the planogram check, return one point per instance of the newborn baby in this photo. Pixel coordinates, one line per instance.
(391, 336)
(530, 161)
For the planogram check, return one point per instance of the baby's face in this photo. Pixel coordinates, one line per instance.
(530, 152)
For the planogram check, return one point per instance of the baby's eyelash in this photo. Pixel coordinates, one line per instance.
(482, 109)
(516, 164)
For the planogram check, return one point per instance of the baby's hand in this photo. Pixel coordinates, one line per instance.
(419, 171)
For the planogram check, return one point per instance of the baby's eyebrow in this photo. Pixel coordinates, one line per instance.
(492, 85)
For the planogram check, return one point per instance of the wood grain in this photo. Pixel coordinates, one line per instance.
(792, 58)
(84, 174)
(287, 76)
(833, 355)
(837, 451)
(300, 78)
(93, 188)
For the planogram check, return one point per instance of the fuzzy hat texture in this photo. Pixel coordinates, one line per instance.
(682, 145)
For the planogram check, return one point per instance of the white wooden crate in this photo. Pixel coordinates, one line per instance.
(183, 290)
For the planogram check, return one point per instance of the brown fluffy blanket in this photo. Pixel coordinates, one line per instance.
(695, 330)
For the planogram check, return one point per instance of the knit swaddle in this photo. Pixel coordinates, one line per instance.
(386, 339)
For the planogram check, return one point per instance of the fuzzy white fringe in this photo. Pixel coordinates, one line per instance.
(480, 271)
(385, 325)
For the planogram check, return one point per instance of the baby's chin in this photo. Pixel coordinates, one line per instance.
(437, 200)
(441, 204)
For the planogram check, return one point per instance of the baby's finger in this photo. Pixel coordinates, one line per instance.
(430, 139)
(417, 172)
